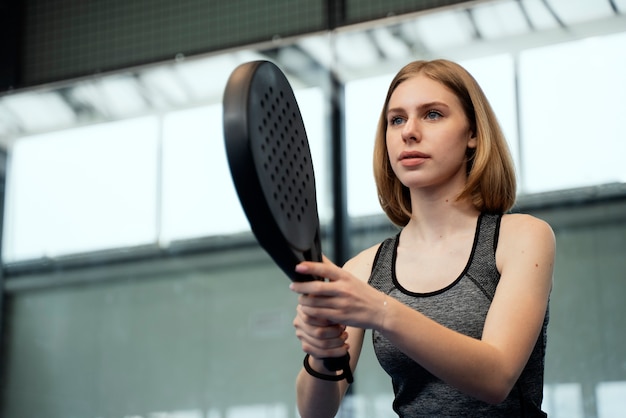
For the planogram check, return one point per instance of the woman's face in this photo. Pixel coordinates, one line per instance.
(427, 134)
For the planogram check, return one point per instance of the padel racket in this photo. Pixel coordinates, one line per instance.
(270, 163)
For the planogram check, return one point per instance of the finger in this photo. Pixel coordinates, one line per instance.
(325, 307)
(325, 269)
(322, 343)
(318, 288)
(321, 299)
(308, 326)
(333, 347)
(331, 329)
(314, 288)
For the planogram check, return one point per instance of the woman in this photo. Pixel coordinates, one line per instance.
(458, 300)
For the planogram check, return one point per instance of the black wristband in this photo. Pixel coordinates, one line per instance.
(329, 377)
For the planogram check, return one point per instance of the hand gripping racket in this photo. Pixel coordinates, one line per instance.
(270, 163)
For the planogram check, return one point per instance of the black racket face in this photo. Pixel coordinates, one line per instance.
(270, 162)
(281, 154)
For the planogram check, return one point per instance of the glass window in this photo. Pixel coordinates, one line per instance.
(311, 102)
(573, 101)
(83, 189)
(198, 196)
(364, 100)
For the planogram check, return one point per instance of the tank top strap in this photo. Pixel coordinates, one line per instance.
(381, 277)
(482, 269)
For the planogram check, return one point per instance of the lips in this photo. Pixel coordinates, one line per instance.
(407, 155)
(412, 158)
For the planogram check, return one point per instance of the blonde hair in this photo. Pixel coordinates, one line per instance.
(491, 185)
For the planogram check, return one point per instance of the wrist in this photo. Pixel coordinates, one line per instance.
(319, 371)
(319, 365)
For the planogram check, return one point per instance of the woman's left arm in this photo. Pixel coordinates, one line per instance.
(525, 259)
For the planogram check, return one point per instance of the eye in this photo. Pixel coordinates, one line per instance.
(433, 115)
(395, 120)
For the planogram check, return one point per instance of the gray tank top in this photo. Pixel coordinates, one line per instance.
(461, 306)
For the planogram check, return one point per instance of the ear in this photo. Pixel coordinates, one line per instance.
(472, 141)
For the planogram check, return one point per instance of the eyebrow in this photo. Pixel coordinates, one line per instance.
(423, 106)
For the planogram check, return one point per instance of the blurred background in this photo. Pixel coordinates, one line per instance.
(132, 286)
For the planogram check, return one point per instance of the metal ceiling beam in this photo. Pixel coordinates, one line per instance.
(10, 43)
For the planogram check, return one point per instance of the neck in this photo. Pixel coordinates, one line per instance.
(437, 216)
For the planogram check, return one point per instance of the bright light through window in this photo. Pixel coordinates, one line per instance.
(99, 187)
(311, 104)
(198, 195)
(364, 101)
(83, 189)
(573, 102)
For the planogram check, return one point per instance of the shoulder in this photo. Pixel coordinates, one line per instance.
(523, 236)
(361, 264)
(515, 226)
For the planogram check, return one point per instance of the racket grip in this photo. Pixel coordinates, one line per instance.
(340, 363)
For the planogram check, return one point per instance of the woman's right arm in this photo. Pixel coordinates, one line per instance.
(318, 398)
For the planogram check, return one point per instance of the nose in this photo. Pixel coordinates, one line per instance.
(410, 131)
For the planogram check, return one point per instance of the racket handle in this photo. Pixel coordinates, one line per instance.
(340, 363)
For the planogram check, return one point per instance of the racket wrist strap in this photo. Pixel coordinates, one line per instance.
(347, 374)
